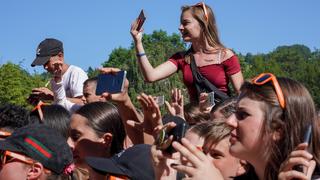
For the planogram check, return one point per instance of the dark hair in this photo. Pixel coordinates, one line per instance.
(291, 122)
(103, 117)
(93, 81)
(13, 117)
(54, 116)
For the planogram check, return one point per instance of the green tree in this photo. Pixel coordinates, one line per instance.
(159, 46)
(15, 84)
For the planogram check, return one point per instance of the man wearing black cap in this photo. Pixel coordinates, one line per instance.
(50, 55)
(35, 152)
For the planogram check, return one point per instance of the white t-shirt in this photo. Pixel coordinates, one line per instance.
(72, 81)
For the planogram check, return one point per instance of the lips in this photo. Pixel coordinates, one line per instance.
(233, 138)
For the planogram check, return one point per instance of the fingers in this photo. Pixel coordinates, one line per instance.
(190, 152)
(291, 175)
(189, 170)
(312, 166)
(109, 70)
(134, 124)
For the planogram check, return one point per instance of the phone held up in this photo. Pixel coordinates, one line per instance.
(111, 83)
(178, 132)
(159, 100)
(306, 139)
(140, 20)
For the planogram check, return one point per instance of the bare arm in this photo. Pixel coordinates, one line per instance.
(126, 109)
(76, 100)
(150, 73)
(237, 81)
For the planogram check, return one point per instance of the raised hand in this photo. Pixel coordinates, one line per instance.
(175, 107)
(298, 157)
(201, 166)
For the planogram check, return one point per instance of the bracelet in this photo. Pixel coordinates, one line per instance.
(140, 54)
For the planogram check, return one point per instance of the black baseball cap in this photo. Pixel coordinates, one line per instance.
(47, 48)
(134, 162)
(40, 143)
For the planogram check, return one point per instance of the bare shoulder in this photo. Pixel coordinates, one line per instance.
(226, 54)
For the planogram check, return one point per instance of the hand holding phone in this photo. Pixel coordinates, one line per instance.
(111, 83)
(306, 139)
(177, 132)
(211, 99)
(140, 20)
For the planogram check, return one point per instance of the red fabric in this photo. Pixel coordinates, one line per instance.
(217, 74)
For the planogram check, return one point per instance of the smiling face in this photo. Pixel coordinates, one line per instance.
(82, 136)
(189, 28)
(246, 140)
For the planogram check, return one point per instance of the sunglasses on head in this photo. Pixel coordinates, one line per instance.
(268, 77)
(203, 5)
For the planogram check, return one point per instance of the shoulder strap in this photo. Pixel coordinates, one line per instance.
(202, 84)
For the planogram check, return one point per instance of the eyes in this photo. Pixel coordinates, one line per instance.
(215, 154)
(241, 114)
(75, 135)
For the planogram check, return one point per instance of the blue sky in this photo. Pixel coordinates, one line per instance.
(90, 30)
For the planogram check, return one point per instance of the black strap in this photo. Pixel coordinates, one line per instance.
(203, 85)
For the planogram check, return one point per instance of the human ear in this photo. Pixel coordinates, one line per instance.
(35, 171)
(276, 135)
(107, 139)
(242, 167)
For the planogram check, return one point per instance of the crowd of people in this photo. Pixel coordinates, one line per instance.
(267, 128)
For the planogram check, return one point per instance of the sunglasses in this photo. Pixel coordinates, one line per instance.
(38, 108)
(203, 5)
(267, 77)
(4, 134)
(8, 156)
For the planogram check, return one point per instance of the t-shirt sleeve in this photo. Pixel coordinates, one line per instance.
(77, 79)
(176, 59)
(232, 65)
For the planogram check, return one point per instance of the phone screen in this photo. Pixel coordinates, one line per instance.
(111, 83)
(140, 20)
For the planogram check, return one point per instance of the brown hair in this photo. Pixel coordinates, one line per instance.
(208, 27)
(291, 122)
(193, 115)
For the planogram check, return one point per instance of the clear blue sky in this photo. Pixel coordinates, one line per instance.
(90, 30)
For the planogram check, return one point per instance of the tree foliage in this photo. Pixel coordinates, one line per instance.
(16, 84)
(296, 61)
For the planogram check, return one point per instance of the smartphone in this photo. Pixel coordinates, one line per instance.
(177, 132)
(306, 139)
(210, 99)
(159, 100)
(111, 83)
(140, 20)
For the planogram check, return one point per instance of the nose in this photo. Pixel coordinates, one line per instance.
(180, 27)
(232, 121)
(70, 143)
(45, 66)
(83, 100)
